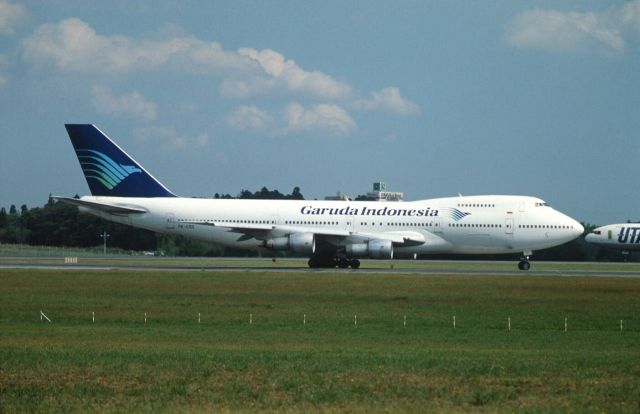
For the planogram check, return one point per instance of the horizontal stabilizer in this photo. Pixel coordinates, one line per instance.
(104, 207)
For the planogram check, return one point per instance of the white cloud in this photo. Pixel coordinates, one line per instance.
(132, 105)
(388, 100)
(74, 46)
(321, 118)
(325, 119)
(631, 15)
(250, 118)
(168, 138)
(10, 16)
(202, 140)
(3, 77)
(558, 31)
(246, 87)
(285, 73)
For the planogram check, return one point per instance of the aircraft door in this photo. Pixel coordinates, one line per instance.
(437, 225)
(348, 223)
(170, 221)
(508, 225)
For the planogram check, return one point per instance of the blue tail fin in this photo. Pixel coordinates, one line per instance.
(108, 169)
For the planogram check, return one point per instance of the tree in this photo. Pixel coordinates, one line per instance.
(362, 197)
(296, 194)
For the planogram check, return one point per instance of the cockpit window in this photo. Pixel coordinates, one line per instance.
(542, 204)
(598, 232)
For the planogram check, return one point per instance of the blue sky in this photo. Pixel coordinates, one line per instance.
(434, 98)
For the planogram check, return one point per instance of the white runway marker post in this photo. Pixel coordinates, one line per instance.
(355, 321)
(145, 317)
(509, 323)
(404, 323)
(250, 318)
(304, 320)
(620, 325)
(198, 317)
(42, 315)
(454, 321)
(565, 324)
(93, 317)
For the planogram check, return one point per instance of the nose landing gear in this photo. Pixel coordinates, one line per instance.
(524, 261)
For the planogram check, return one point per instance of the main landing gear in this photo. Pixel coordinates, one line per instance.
(524, 262)
(333, 262)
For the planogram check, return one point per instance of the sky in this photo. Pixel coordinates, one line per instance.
(434, 98)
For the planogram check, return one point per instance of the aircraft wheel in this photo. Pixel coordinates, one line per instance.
(313, 263)
(327, 262)
(343, 263)
(524, 265)
(355, 263)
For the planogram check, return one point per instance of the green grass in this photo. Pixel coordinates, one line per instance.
(173, 363)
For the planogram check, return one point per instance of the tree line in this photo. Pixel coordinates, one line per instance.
(59, 224)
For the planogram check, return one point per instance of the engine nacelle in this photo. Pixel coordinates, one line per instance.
(279, 243)
(357, 250)
(303, 243)
(380, 249)
(375, 249)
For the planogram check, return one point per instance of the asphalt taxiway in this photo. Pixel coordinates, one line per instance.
(454, 268)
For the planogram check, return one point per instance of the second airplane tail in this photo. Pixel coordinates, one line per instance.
(108, 169)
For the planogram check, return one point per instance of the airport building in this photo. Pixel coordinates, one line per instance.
(379, 193)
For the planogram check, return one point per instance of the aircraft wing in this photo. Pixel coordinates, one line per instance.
(104, 207)
(398, 238)
(267, 231)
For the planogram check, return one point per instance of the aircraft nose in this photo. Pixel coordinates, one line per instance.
(576, 228)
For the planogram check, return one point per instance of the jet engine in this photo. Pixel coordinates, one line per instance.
(375, 249)
(303, 243)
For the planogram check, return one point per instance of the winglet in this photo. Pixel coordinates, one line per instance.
(108, 169)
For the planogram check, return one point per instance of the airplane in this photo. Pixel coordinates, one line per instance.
(624, 236)
(331, 233)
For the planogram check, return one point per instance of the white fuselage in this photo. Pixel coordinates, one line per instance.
(469, 224)
(625, 236)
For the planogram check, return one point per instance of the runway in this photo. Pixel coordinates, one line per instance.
(434, 268)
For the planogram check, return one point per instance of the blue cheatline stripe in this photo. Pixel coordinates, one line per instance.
(102, 176)
(113, 164)
(116, 172)
(104, 168)
(120, 172)
(457, 214)
(106, 184)
(100, 167)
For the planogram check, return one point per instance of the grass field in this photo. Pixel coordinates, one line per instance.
(280, 363)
